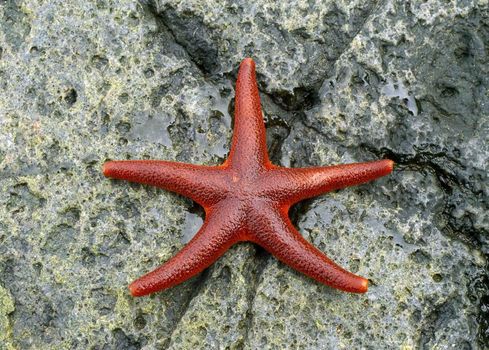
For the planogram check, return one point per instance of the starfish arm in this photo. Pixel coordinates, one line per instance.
(218, 234)
(279, 237)
(249, 147)
(203, 184)
(293, 185)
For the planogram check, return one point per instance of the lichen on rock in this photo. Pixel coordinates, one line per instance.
(341, 81)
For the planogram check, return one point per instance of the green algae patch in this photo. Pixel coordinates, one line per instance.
(6, 308)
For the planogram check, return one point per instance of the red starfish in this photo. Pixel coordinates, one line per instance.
(247, 199)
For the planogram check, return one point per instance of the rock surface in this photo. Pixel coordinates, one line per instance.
(341, 81)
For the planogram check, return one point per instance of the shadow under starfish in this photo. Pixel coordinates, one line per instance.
(247, 199)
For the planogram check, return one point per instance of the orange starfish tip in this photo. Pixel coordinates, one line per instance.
(247, 61)
(105, 169)
(110, 168)
(363, 286)
(135, 291)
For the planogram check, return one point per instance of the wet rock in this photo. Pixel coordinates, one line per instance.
(341, 81)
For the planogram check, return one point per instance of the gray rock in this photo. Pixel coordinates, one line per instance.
(341, 81)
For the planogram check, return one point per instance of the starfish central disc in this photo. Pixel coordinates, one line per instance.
(247, 199)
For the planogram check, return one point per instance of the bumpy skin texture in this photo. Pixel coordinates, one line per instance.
(247, 199)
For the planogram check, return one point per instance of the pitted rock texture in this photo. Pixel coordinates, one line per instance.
(341, 81)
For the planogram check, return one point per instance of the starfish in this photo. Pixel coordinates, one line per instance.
(247, 198)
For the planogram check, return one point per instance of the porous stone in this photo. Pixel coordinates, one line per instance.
(341, 81)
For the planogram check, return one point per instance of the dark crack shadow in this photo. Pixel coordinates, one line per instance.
(190, 33)
(377, 4)
(262, 257)
(197, 286)
(437, 163)
(460, 229)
